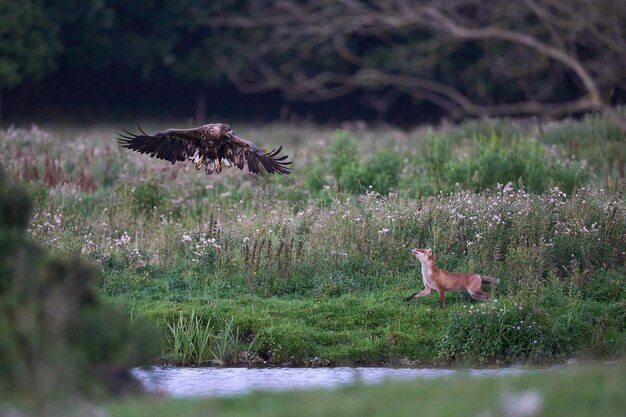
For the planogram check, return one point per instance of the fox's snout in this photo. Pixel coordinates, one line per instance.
(423, 255)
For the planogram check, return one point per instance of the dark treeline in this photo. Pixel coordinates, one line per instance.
(111, 59)
(86, 96)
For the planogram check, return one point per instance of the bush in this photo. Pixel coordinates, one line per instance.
(437, 155)
(343, 153)
(520, 161)
(597, 141)
(380, 172)
(147, 196)
(500, 332)
(56, 333)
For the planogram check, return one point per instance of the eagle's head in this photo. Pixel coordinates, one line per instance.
(221, 130)
(227, 131)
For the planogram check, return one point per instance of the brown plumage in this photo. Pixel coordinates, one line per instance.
(206, 145)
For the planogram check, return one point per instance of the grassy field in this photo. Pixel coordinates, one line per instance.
(566, 392)
(311, 268)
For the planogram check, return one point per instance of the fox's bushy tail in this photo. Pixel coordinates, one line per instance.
(491, 280)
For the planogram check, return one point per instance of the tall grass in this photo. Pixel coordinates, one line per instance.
(188, 339)
(520, 203)
(161, 231)
(355, 244)
(191, 341)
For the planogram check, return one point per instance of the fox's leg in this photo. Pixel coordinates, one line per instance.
(442, 299)
(422, 293)
(476, 292)
(482, 295)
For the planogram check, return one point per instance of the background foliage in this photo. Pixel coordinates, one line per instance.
(108, 58)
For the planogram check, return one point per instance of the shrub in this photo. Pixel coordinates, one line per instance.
(56, 333)
(597, 141)
(147, 196)
(437, 154)
(521, 161)
(381, 171)
(497, 331)
(343, 156)
(316, 172)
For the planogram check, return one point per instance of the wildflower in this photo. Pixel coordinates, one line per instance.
(123, 240)
(185, 238)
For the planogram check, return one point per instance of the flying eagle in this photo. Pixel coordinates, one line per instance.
(206, 145)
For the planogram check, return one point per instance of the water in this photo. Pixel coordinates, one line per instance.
(196, 382)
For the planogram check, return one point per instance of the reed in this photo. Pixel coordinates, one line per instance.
(189, 339)
(195, 341)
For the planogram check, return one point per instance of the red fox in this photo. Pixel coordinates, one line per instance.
(442, 281)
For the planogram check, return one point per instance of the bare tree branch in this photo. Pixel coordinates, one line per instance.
(316, 51)
(461, 32)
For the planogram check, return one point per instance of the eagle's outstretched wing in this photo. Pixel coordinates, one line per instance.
(241, 150)
(171, 145)
(206, 145)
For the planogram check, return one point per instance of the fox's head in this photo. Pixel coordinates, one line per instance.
(424, 255)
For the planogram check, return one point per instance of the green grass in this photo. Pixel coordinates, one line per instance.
(368, 329)
(379, 328)
(567, 392)
(309, 273)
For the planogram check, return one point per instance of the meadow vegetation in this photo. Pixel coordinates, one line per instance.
(311, 268)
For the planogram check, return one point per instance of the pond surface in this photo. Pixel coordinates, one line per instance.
(194, 382)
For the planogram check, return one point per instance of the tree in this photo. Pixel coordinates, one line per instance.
(87, 29)
(147, 40)
(469, 57)
(28, 43)
(123, 39)
(192, 58)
